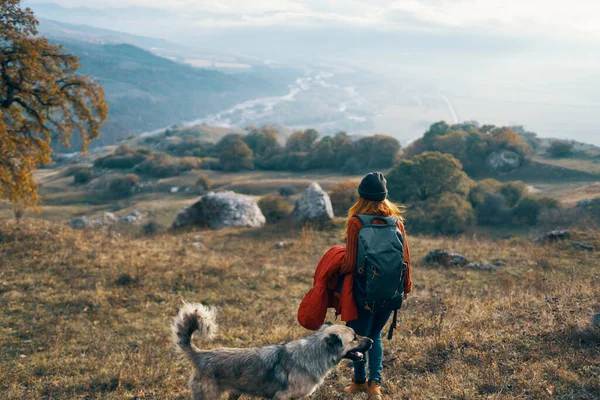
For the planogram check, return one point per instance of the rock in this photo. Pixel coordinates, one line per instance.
(106, 219)
(313, 205)
(582, 246)
(499, 263)
(283, 245)
(198, 245)
(79, 223)
(584, 203)
(504, 161)
(175, 189)
(596, 320)
(553, 236)
(221, 210)
(485, 267)
(133, 217)
(445, 258)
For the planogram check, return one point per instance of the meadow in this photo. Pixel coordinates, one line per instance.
(86, 313)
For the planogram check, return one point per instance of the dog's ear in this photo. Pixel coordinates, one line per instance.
(333, 340)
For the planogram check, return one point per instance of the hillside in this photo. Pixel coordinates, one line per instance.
(147, 92)
(86, 314)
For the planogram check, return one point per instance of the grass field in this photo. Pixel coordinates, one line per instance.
(85, 314)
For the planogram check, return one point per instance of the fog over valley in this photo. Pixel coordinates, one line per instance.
(388, 67)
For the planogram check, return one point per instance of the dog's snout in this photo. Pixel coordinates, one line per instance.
(369, 341)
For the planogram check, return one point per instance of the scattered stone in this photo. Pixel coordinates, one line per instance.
(584, 203)
(283, 245)
(79, 223)
(221, 210)
(133, 217)
(445, 258)
(553, 236)
(504, 161)
(482, 266)
(499, 263)
(174, 189)
(106, 219)
(313, 205)
(596, 320)
(582, 246)
(198, 245)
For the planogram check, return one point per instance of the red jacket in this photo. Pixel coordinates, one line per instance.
(323, 295)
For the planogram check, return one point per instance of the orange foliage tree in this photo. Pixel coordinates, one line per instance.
(42, 98)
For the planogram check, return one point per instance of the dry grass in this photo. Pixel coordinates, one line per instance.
(86, 314)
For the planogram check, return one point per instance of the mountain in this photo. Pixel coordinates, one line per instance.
(148, 92)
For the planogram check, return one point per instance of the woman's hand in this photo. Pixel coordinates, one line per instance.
(405, 296)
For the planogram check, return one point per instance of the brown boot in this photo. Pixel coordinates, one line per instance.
(374, 391)
(356, 387)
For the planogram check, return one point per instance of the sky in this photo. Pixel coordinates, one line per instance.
(572, 19)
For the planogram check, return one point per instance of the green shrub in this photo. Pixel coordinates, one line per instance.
(448, 214)
(493, 210)
(481, 189)
(274, 208)
(82, 176)
(203, 184)
(560, 148)
(123, 186)
(124, 158)
(236, 156)
(152, 228)
(188, 147)
(71, 170)
(287, 191)
(528, 210)
(426, 176)
(343, 196)
(211, 163)
(162, 165)
(513, 192)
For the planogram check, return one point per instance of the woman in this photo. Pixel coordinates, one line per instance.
(372, 201)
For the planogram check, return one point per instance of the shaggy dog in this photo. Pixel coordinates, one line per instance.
(280, 372)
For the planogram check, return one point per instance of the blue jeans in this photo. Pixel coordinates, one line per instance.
(370, 324)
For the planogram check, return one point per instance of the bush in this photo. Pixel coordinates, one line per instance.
(210, 163)
(493, 210)
(425, 176)
(529, 209)
(203, 184)
(560, 148)
(287, 191)
(124, 158)
(82, 176)
(236, 156)
(343, 196)
(123, 186)
(274, 208)
(448, 214)
(162, 165)
(188, 147)
(481, 189)
(152, 228)
(71, 170)
(513, 192)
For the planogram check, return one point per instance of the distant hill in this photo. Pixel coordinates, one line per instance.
(147, 92)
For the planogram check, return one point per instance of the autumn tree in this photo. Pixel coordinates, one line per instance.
(236, 156)
(42, 98)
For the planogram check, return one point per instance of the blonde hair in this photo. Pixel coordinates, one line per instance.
(383, 208)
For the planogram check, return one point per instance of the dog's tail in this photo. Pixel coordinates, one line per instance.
(193, 317)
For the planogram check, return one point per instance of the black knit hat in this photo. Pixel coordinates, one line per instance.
(373, 187)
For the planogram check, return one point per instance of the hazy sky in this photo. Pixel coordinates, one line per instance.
(572, 19)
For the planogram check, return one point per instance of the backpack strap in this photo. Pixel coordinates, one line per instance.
(367, 219)
(393, 325)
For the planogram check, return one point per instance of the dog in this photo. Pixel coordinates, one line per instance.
(280, 372)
